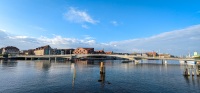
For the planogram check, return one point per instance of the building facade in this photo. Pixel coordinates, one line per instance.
(84, 51)
(99, 52)
(62, 51)
(43, 50)
(165, 55)
(1, 50)
(11, 50)
(152, 54)
(109, 53)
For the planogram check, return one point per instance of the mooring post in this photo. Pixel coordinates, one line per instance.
(187, 72)
(102, 68)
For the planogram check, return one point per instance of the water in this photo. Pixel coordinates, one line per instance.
(149, 76)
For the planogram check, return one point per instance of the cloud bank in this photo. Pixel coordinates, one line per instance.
(177, 42)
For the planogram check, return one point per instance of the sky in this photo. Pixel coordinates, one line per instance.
(163, 26)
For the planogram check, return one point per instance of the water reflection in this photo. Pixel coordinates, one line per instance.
(187, 79)
(102, 79)
(84, 76)
(198, 81)
(73, 69)
(9, 63)
(43, 64)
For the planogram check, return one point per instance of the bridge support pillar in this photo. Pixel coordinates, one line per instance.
(102, 68)
(55, 59)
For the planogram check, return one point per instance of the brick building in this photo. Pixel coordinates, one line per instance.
(152, 54)
(84, 51)
(110, 52)
(99, 52)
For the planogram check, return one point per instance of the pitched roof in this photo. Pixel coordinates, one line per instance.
(11, 47)
(86, 48)
(42, 47)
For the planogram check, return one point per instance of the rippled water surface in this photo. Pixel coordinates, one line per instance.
(83, 77)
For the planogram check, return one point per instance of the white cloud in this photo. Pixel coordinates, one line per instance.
(3, 30)
(115, 23)
(85, 26)
(18, 37)
(79, 16)
(175, 42)
(87, 37)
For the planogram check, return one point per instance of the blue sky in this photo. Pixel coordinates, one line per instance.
(171, 26)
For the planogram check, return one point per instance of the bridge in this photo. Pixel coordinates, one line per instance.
(75, 56)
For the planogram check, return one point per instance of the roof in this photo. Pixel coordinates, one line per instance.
(42, 47)
(86, 48)
(10, 47)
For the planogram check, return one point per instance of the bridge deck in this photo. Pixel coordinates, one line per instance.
(131, 57)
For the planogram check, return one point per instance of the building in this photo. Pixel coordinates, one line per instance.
(99, 52)
(139, 54)
(165, 55)
(11, 50)
(27, 52)
(196, 55)
(68, 51)
(43, 50)
(144, 55)
(152, 54)
(1, 50)
(23, 52)
(56, 51)
(84, 51)
(62, 51)
(110, 52)
(31, 52)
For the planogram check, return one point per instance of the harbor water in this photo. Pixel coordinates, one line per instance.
(146, 76)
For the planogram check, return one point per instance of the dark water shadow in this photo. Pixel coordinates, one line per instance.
(9, 63)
